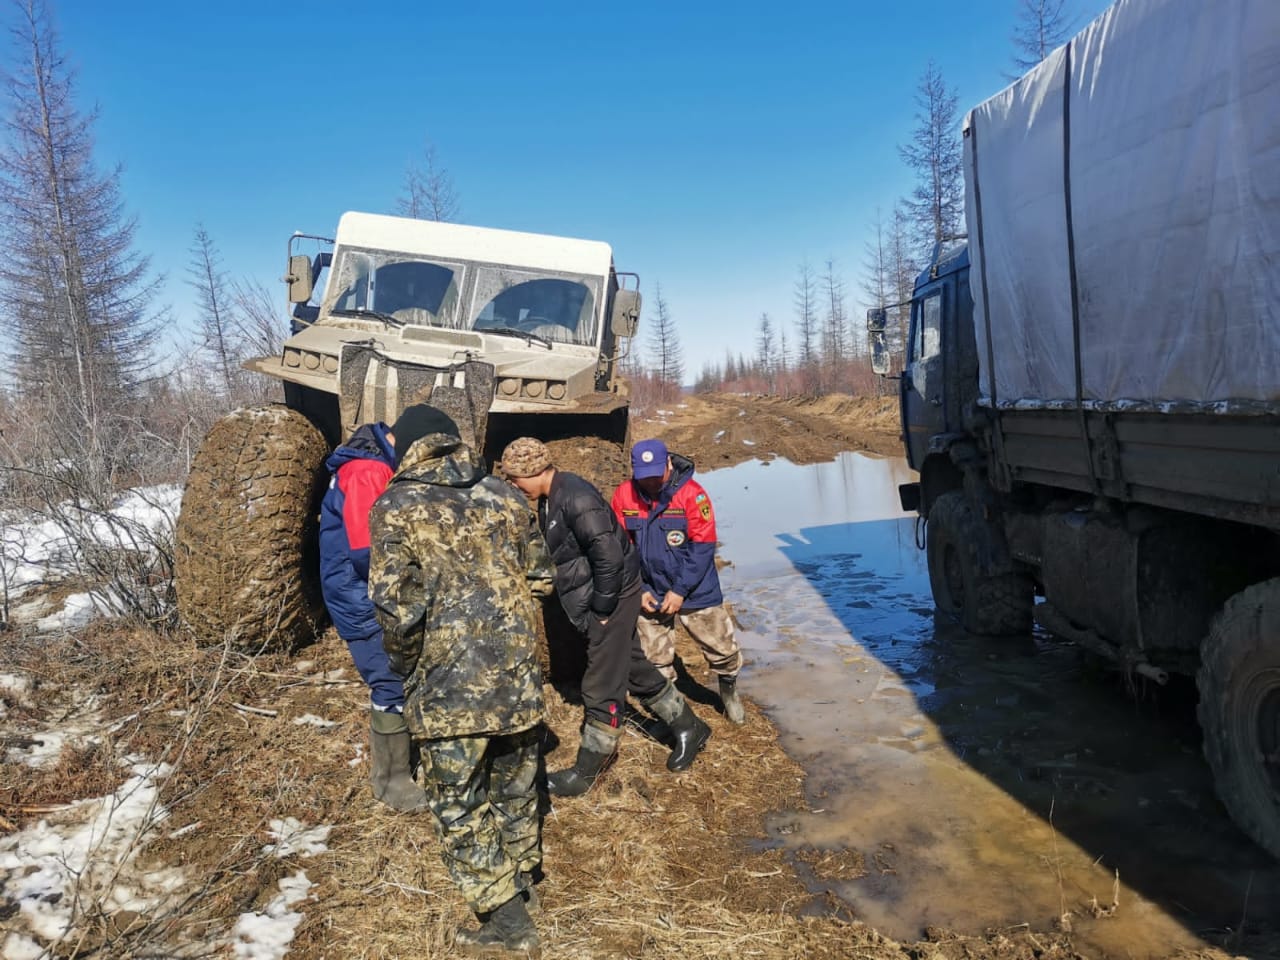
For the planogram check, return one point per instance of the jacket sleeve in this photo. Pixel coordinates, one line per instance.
(591, 521)
(346, 576)
(698, 557)
(399, 590)
(539, 570)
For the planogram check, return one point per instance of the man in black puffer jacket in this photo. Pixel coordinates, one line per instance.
(598, 579)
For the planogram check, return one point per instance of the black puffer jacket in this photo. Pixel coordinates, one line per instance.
(594, 558)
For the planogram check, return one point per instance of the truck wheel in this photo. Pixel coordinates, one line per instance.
(247, 550)
(994, 602)
(1239, 682)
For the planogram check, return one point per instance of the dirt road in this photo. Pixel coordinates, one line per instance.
(719, 430)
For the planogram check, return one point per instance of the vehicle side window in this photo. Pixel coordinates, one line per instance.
(931, 327)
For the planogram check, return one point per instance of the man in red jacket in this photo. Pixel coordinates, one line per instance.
(670, 520)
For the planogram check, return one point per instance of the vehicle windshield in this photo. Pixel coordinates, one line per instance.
(434, 292)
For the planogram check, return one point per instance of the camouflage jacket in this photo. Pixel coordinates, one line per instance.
(455, 559)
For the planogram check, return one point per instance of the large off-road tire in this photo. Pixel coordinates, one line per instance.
(968, 586)
(247, 551)
(1239, 683)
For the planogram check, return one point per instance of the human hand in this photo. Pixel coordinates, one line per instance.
(648, 602)
(671, 603)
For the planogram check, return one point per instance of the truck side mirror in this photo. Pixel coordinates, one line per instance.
(879, 350)
(876, 317)
(626, 313)
(299, 278)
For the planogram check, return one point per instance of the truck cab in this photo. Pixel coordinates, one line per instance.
(938, 384)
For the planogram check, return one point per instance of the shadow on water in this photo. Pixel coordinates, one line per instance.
(986, 783)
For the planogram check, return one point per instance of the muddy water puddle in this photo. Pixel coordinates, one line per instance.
(978, 784)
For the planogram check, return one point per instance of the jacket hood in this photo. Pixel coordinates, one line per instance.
(443, 460)
(369, 442)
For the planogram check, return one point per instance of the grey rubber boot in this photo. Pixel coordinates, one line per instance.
(390, 747)
(509, 929)
(599, 744)
(690, 732)
(733, 711)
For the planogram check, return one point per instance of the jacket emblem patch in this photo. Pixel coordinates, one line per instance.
(675, 538)
(705, 510)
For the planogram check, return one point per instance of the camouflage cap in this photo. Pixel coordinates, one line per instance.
(525, 457)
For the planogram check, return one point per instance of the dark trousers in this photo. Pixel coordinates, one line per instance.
(616, 662)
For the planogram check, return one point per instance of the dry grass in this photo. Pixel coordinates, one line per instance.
(648, 864)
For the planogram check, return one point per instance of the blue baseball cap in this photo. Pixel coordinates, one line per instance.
(648, 459)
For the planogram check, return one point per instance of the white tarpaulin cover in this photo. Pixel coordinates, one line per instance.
(1174, 167)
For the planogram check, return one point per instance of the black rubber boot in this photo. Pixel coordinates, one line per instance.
(691, 734)
(391, 776)
(508, 929)
(733, 710)
(599, 744)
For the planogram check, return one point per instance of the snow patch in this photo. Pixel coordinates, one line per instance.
(358, 758)
(748, 443)
(311, 720)
(293, 837)
(86, 859)
(266, 936)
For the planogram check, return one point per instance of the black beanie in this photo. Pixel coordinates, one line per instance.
(417, 422)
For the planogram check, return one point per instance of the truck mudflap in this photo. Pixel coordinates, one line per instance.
(377, 387)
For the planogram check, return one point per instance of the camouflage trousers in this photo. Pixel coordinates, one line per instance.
(483, 793)
(711, 629)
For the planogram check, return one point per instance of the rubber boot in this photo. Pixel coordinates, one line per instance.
(733, 711)
(508, 929)
(390, 747)
(599, 744)
(691, 733)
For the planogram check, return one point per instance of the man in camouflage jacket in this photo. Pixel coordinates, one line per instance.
(454, 563)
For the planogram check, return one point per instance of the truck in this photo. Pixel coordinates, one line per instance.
(510, 333)
(1091, 388)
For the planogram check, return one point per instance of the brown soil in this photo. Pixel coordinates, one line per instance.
(648, 864)
(718, 430)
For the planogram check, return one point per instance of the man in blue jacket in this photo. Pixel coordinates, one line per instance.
(669, 518)
(361, 468)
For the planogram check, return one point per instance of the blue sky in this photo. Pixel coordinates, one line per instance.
(715, 146)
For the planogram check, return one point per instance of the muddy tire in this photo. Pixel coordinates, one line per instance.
(247, 550)
(1239, 682)
(967, 586)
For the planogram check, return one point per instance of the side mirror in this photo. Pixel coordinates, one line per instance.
(626, 313)
(879, 349)
(299, 278)
(876, 318)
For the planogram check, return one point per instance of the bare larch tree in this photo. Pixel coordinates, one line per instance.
(429, 192)
(213, 303)
(78, 294)
(936, 204)
(1041, 27)
(766, 352)
(806, 303)
(666, 358)
(835, 326)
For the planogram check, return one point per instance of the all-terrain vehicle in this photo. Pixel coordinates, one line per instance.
(511, 333)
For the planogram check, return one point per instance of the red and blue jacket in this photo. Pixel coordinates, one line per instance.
(675, 536)
(361, 468)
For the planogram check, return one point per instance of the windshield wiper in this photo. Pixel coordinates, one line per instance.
(364, 314)
(532, 338)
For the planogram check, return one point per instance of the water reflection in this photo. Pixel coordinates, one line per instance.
(940, 756)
